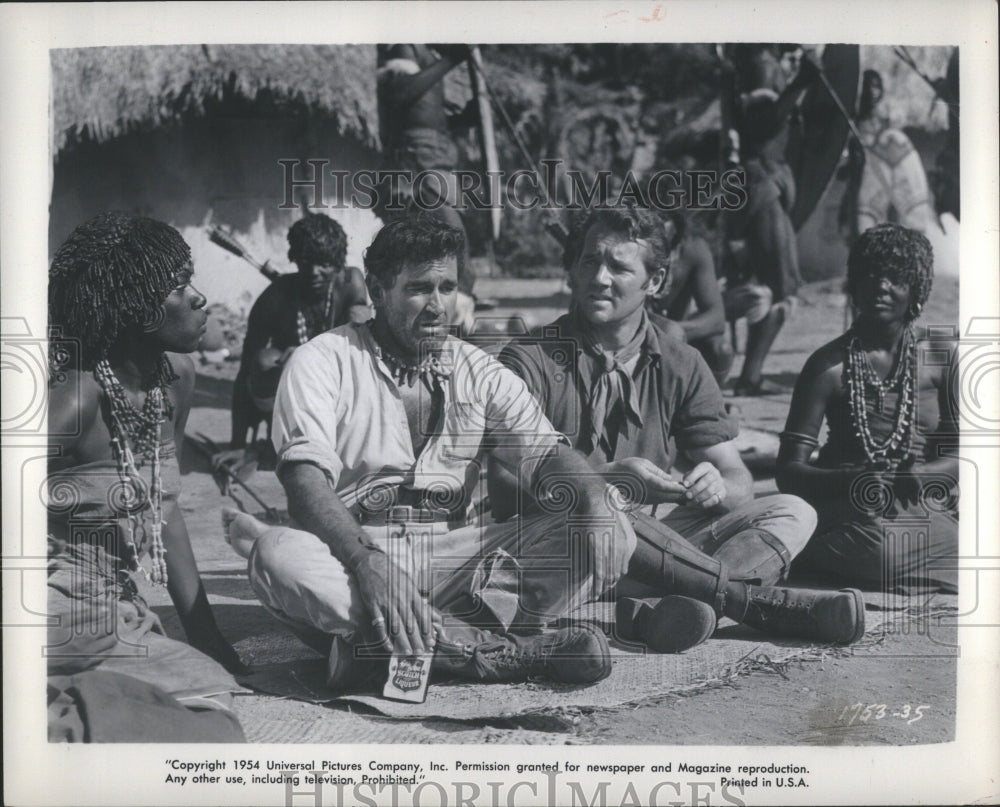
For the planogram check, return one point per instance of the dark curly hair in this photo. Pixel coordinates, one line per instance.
(415, 240)
(899, 253)
(635, 223)
(317, 240)
(109, 280)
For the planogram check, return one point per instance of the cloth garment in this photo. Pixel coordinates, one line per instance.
(749, 300)
(893, 184)
(522, 574)
(872, 542)
(787, 518)
(678, 398)
(108, 707)
(338, 408)
(674, 393)
(772, 256)
(103, 623)
(613, 402)
(100, 620)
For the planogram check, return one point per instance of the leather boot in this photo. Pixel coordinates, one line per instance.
(823, 616)
(755, 556)
(664, 560)
(577, 654)
(350, 666)
(668, 625)
(667, 561)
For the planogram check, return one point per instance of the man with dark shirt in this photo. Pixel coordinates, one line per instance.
(692, 279)
(323, 294)
(620, 389)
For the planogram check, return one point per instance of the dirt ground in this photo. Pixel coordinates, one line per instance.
(820, 700)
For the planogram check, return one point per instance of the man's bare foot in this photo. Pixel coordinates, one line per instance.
(241, 530)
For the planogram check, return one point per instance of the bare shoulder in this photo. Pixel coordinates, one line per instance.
(698, 253)
(73, 403)
(827, 361)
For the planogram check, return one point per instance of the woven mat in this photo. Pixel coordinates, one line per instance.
(285, 667)
(265, 720)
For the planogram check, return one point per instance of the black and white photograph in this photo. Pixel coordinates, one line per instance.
(500, 420)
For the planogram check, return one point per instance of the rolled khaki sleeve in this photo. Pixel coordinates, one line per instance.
(305, 423)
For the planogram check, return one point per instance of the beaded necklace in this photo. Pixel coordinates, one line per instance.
(430, 370)
(141, 429)
(306, 325)
(434, 367)
(862, 379)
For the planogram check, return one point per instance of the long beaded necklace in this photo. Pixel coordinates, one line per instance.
(862, 378)
(141, 429)
(305, 326)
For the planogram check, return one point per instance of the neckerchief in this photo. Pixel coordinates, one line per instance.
(613, 406)
(433, 367)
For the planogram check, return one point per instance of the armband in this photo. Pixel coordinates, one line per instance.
(798, 437)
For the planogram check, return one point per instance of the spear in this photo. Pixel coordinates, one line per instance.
(553, 225)
(229, 243)
(207, 447)
(904, 54)
(851, 125)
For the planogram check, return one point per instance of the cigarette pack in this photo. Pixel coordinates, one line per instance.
(408, 677)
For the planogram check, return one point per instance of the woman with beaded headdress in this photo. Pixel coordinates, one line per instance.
(124, 313)
(884, 484)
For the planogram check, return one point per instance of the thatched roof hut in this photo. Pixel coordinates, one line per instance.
(192, 135)
(102, 93)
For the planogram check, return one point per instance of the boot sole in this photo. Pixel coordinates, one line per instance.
(673, 624)
(859, 610)
(679, 623)
(585, 666)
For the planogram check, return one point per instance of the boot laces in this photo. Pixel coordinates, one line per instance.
(507, 655)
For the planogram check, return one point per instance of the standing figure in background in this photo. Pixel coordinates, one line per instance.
(296, 307)
(886, 178)
(415, 124)
(692, 279)
(765, 277)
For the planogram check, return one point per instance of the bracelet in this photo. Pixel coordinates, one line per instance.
(798, 437)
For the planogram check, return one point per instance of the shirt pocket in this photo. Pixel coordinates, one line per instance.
(462, 432)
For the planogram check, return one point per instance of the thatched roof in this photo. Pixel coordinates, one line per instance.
(100, 93)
